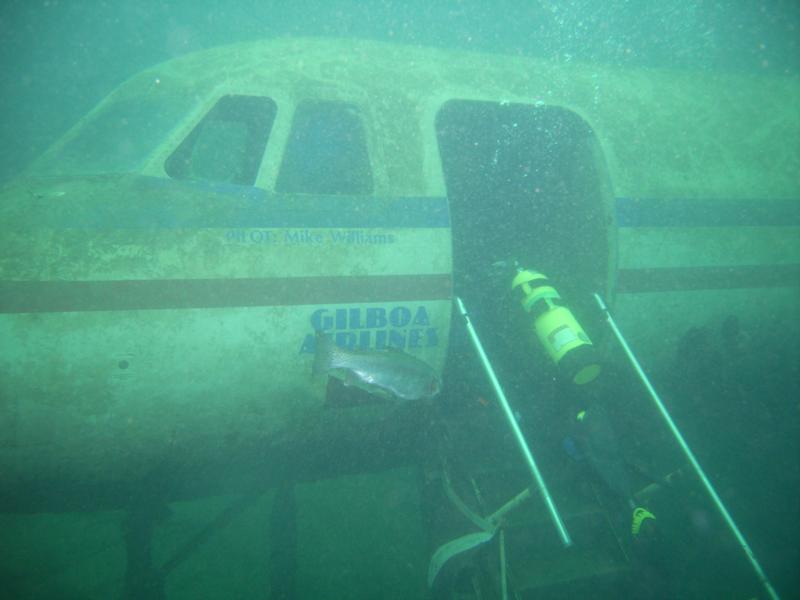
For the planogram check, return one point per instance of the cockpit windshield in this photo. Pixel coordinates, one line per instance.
(119, 135)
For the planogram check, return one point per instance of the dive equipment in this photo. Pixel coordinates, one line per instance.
(558, 522)
(640, 515)
(556, 327)
(748, 551)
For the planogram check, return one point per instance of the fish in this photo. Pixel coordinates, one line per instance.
(389, 373)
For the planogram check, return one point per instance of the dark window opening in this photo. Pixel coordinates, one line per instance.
(523, 184)
(527, 184)
(121, 135)
(228, 144)
(326, 152)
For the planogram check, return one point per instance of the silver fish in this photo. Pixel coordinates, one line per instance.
(387, 373)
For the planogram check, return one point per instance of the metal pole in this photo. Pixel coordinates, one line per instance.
(512, 421)
(503, 566)
(688, 452)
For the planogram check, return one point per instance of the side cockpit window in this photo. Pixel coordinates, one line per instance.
(228, 145)
(326, 152)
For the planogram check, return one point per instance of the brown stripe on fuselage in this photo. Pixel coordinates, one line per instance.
(153, 294)
(638, 281)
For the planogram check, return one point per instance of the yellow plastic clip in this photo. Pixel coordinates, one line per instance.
(640, 515)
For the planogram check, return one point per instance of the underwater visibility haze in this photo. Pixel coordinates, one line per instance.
(426, 300)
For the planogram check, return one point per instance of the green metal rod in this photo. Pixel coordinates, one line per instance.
(503, 566)
(688, 452)
(512, 421)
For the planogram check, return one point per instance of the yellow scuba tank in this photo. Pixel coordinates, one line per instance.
(558, 331)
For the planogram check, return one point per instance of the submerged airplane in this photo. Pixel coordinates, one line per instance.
(165, 265)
